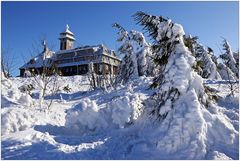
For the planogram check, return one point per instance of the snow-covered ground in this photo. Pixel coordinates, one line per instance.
(114, 124)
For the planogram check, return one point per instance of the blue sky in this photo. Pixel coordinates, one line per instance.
(24, 23)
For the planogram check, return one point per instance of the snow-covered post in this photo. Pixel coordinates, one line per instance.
(176, 79)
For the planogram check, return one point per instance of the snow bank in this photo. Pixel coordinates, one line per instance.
(189, 130)
(87, 115)
(83, 115)
(11, 93)
(125, 110)
(16, 119)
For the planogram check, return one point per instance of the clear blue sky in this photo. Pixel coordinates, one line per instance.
(26, 22)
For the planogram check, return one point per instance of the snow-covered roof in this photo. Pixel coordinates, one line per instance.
(100, 48)
(40, 60)
(97, 49)
(62, 36)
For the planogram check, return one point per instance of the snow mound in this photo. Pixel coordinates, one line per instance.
(118, 113)
(15, 120)
(121, 111)
(84, 114)
(119, 121)
(11, 93)
(125, 110)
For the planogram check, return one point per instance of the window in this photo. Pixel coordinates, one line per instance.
(32, 61)
(61, 45)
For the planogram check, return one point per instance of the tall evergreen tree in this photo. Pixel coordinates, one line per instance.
(176, 78)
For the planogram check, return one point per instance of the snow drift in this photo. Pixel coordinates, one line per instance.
(118, 113)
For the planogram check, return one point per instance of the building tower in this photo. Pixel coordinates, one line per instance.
(66, 39)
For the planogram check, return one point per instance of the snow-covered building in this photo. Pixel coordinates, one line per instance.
(73, 61)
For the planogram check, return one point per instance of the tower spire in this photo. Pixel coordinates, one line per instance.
(67, 27)
(66, 39)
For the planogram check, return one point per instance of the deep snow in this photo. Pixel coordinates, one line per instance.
(114, 124)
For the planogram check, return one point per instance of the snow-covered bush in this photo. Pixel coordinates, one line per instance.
(26, 89)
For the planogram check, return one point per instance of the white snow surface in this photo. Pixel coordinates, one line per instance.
(116, 124)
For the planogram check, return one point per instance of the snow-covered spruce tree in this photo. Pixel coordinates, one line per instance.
(225, 72)
(176, 79)
(228, 58)
(144, 53)
(205, 66)
(128, 68)
(236, 57)
(204, 59)
(137, 60)
(180, 100)
(190, 42)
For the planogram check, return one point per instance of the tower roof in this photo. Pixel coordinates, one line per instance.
(67, 34)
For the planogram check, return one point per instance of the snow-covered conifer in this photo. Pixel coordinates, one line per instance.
(205, 66)
(137, 60)
(228, 58)
(225, 72)
(128, 67)
(176, 78)
(144, 53)
(236, 57)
